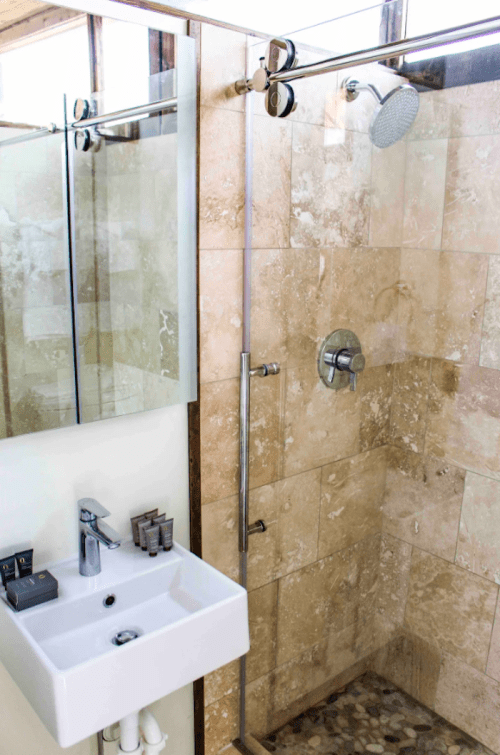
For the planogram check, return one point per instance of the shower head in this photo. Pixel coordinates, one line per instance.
(394, 116)
(394, 113)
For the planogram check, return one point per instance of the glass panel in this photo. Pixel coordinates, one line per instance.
(36, 353)
(127, 254)
(426, 15)
(35, 70)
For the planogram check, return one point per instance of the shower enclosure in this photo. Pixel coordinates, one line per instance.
(381, 504)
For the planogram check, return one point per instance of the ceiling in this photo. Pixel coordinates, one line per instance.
(12, 11)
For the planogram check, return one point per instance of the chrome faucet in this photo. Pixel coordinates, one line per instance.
(92, 532)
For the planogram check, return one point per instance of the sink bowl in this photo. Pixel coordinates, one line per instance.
(187, 619)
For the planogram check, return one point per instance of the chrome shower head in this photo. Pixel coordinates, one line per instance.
(394, 116)
(394, 113)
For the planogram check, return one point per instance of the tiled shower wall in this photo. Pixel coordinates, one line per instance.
(398, 245)
(441, 516)
(317, 468)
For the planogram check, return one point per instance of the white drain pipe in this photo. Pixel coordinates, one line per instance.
(129, 734)
(152, 740)
(152, 736)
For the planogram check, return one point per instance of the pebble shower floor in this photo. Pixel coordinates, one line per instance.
(369, 716)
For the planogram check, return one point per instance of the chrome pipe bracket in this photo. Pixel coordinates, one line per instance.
(264, 370)
(258, 526)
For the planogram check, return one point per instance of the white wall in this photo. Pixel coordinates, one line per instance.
(129, 464)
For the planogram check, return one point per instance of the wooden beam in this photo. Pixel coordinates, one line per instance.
(94, 26)
(38, 25)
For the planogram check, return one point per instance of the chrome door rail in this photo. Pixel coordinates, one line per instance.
(391, 50)
(46, 131)
(127, 114)
(262, 78)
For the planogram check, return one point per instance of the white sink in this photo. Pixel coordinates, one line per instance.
(190, 619)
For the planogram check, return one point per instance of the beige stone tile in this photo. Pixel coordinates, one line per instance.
(394, 579)
(330, 187)
(221, 286)
(424, 189)
(493, 665)
(321, 425)
(364, 579)
(470, 700)
(422, 502)
(387, 195)
(222, 165)
(433, 117)
(471, 213)
(412, 664)
(490, 339)
(352, 491)
(347, 647)
(219, 527)
(272, 154)
(219, 439)
(298, 520)
(458, 111)
(265, 430)
(375, 386)
(220, 436)
(263, 617)
(263, 547)
(442, 303)
(306, 296)
(221, 723)
(268, 308)
(299, 676)
(322, 664)
(258, 706)
(409, 403)
(464, 417)
(370, 276)
(477, 548)
(311, 602)
(221, 682)
(450, 608)
(262, 555)
(223, 53)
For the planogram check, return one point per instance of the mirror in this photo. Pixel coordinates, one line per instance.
(97, 220)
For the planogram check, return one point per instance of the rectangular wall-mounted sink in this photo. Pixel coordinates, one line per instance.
(187, 619)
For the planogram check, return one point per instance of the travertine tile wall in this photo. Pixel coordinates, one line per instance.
(441, 518)
(321, 261)
(402, 246)
(37, 389)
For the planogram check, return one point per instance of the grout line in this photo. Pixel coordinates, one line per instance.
(484, 311)
(409, 586)
(460, 520)
(472, 574)
(491, 635)
(446, 178)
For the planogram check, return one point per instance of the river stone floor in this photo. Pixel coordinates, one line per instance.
(368, 716)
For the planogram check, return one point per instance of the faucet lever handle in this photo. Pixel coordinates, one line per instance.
(90, 509)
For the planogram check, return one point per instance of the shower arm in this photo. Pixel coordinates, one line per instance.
(353, 88)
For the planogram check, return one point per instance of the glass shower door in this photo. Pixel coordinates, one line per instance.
(132, 263)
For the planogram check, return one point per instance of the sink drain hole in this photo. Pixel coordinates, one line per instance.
(126, 635)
